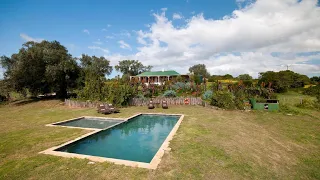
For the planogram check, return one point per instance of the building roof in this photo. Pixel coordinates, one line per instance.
(159, 73)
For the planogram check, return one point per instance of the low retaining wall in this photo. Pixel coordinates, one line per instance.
(81, 104)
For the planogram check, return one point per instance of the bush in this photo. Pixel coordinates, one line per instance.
(247, 83)
(312, 91)
(140, 96)
(240, 96)
(179, 85)
(306, 103)
(3, 98)
(207, 95)
(223, 99)
(169, 93)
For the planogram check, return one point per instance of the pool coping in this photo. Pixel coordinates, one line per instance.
(153, 163)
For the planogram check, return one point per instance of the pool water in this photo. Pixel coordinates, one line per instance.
(137, 139)
(96, 123)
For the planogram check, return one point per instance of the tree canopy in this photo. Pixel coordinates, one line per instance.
(41, 68)
(199, 69)
(245, 77)
(315, 79)
(94, 71)
(283, 80)
(132, 67)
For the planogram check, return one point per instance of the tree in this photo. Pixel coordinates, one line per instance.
(199, 69)
(283, 80)
(315, 79)
(245, 77)
(228, 76)
(41, 68)
(94, 69)
(132, 67)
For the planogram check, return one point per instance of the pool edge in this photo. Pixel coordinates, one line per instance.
(153, 163)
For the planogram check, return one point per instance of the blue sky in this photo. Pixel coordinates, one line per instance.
(169, 34)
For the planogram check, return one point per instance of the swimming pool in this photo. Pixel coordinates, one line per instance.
(89, 122)
(139, 141)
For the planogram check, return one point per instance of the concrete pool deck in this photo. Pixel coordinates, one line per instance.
(152, 165)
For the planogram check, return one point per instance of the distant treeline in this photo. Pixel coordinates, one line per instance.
(46, 67)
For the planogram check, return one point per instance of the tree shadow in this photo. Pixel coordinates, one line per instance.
(33, 100)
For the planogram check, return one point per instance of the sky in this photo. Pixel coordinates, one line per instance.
(228, 36)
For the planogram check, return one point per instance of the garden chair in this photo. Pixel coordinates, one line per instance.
(103, 110)
(112, 108)
(150, 105)
(164, 105)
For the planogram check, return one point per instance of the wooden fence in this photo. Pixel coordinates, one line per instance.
(170, 101)
(136, 102)
(81, 104)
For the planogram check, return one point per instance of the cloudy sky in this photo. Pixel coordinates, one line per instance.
(229, 36)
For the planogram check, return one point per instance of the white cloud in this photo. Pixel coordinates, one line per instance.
(125, 33)
(104, 30)
(108, 25)
(99, 48)
(176, 16)
(254, 32)
(86, 31)
(28, 38)
(124, 45)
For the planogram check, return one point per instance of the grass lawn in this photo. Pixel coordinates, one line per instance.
(210, 144)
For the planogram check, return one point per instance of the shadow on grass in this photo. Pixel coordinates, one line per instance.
(33, 100)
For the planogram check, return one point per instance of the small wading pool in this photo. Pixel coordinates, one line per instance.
(139, 141)
(89, 122)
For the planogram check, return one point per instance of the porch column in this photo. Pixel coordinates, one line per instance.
(168, 78)
(159, 79)
(148, 79)
(139, 79)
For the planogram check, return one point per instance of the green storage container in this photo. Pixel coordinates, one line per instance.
(268, 104)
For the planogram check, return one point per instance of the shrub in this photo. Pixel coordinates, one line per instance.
(188, 86)
(317, 102)
(169, 93)
(207, 95)
(140, 96)
(312, 91)
(3, 98)
(247, 83)
(178, 85)
(223, 99)
(239, 98)
(306, 103)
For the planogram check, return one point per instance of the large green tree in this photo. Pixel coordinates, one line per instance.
(245, 77)
(283, 80)
(132, 67)
(315, 79)
(199, 69)
(94, 70)
(41, 68)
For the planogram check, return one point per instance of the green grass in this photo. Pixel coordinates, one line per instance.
(210, 144)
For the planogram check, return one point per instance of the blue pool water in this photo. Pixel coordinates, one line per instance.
(138, 139)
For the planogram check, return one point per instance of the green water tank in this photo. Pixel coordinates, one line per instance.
(268, 104)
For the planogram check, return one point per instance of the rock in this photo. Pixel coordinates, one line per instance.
(91, 162)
